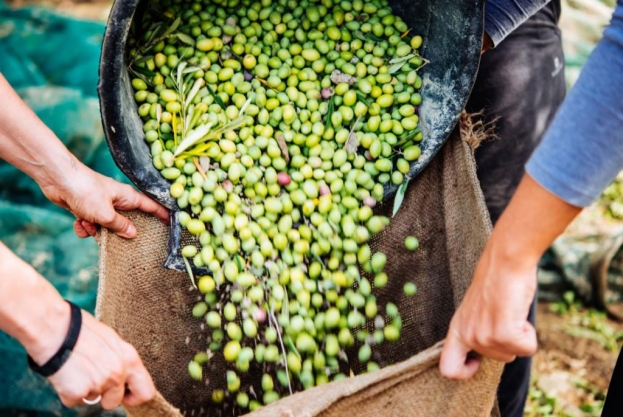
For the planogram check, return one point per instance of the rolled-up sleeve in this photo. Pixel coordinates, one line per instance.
(583, 149)
(504, 16)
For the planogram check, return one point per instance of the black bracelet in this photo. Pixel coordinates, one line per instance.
(58, 360)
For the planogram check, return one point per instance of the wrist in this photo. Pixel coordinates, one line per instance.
(515, 250)
(43, 339)
(56, 174)
(31, 310)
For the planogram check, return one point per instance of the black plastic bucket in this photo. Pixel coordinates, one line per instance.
(452, 32)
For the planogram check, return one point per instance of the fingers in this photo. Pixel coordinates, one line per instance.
(90, 228)
(79, 229)
(132, 199)
(148, 205)
(72, 385)
(84, 228)
(113, 397)
(506, 344)
(454, 362)
(140, 386)
(140, 389)
(103, 364)
(119, 225)
(529, 344)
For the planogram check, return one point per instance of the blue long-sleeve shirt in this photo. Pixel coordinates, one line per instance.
(582, 150)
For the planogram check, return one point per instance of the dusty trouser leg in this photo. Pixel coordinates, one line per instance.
(521, 83)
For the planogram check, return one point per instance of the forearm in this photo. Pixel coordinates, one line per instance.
(529, 225)
(491, 319)
(504, 16)
(31, 310)
(28, 144)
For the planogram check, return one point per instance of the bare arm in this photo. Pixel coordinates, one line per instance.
(33, 312)
(578, 157)
(492, 319)
(28, 144)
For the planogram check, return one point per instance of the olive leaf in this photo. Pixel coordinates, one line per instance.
(317, 258)
(359, 35)
(398, 63)
(281, 141)
(155, 31)
(369, 37)
(400, 196)
(265, 83)
(217, 98)
(173, 27)
(143, 59)
(185, 38)
(180, 72)
(193, 137)
(246, 104)
(238, 57)
(239, 263)
(331, 109)
(407, 136)
(143, 71)
(189, 270)
(203, 133)
(401, 59)
(290, 345)
(361, 97)
(195, 89)
(188, 83)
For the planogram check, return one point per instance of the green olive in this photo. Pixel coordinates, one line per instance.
(195, 370)
(412, 243)
(364, 353)
(200, 309)
(410, 288)
(231, 350)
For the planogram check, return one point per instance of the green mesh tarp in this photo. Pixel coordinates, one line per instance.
(52, 61)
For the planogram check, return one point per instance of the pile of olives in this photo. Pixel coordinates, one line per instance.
(278, 124)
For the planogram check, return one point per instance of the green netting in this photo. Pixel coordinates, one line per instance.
(52, 61)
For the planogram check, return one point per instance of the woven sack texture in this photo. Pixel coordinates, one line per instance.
(151, 307)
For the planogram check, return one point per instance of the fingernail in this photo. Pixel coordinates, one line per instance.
(130, 231)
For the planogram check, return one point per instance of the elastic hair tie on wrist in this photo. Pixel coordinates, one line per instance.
(58, 360)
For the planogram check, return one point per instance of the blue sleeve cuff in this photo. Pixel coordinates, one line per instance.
(504, 16)
(557, 184)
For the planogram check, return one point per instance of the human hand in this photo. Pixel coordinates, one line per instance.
(101, 363)
(94, 199)
(492, 318)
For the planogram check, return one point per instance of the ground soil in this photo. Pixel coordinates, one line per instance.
(573, 369)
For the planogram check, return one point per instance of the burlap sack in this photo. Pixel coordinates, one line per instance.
(151, 308)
